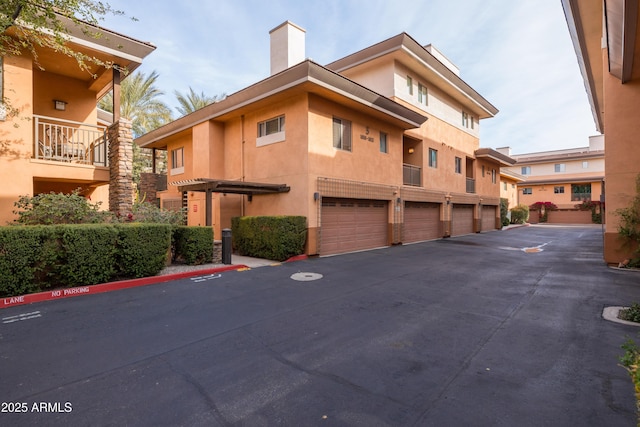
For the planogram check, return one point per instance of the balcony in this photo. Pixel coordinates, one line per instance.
(411, 175)
(471, 185)
(70, 142)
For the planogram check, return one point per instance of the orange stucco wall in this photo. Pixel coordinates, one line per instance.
(545, 193)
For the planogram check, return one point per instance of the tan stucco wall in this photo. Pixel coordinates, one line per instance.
(545, 193)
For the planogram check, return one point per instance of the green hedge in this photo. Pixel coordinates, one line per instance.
(271, 237)
(36, 258)
(193, 245)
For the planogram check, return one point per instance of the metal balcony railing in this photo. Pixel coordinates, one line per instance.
(471, 185)
(411, 175)
(67, 141)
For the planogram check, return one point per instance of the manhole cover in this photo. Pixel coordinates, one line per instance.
(306, 277)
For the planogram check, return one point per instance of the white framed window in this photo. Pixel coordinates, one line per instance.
(527, 190)
(177, 161)
(422, 94)
(341, 134)
(465, 120)
(409, 85)
(458, 165)
(559, 167)
(559, 189)
(270, 131)
(494, 176)
(433, 158)
(525, 170)
(3, 110)
(585, 165)
(383, 143)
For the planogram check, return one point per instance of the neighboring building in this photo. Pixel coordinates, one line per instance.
(509, 181)
(59, 141)
(378, 148)
(605, 36)
(565, 178)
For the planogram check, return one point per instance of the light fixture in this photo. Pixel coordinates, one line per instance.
(411, 150)
(59, 105)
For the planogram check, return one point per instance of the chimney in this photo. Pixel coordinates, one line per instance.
(287, 46)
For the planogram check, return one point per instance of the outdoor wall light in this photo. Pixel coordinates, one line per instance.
(411, 150)
(59, 105)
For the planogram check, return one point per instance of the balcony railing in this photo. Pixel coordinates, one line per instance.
(412, 175)
(67, 141)
(471, 185)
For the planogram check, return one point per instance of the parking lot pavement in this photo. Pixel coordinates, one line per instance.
(500, 328)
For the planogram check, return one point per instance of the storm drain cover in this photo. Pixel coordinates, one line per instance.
(306, 277)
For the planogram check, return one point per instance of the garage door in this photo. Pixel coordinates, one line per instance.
(352, 225)
(421, 222)
(570, 217)
(488, 218)
(462, 220)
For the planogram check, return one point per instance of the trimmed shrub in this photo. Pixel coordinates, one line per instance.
(194, 245)
(271, 237)
(58, 208)
(141, 249)
(21, 259)
(504, 212)
(520, 214)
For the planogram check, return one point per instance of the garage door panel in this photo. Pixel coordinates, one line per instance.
(350, 225)
(488, 218)
(461, 220)
(421, 222)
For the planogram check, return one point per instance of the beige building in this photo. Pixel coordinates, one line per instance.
(605, 36)
(58, 141)
(565, 178)
(378, 148)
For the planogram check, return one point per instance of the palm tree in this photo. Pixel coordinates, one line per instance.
(193, 101)
(139, 103)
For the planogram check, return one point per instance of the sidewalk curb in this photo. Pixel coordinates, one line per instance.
(108, 287)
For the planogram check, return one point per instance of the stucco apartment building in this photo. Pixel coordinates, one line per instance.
(378, 148)
(59, 141)
(565, 178)
(606, 38)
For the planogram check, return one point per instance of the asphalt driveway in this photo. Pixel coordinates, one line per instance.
(495, 329)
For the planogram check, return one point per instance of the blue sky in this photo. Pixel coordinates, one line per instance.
(517, 54)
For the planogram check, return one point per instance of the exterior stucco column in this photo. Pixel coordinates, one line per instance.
(121, 167)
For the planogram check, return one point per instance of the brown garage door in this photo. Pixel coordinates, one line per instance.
(570, 217)
(421, 222)
(488, 218)
(352, 225)
(462, 220)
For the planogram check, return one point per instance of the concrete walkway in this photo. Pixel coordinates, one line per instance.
(235, 260)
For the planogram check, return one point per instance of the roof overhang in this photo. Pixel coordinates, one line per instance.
(514, 176)
(230, 187)
(496, 156)
(306, 77)
(560, 180)
(406, 50)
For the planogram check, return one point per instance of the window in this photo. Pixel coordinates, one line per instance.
(465, 120)
(558, 190)
(269, 127)
(494, 176)
(177, 161)
(559, 167)
(342, 134)
(471, 121)
(580, 192)
(458, 165)
(585, 165)
(409, 85)
(483, 171)
(526, 170)
(504, 186)
(383, 142)
(433, 158)
(422, 94)
(527, 190)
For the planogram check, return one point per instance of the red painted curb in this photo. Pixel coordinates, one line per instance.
(107, 287)
(298, 258)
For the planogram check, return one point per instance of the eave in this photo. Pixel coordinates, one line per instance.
(496, 156)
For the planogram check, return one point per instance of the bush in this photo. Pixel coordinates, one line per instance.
(631, 314)
(520, 214)
(631, 362)
(149, 213)
(271, 237)
(142, 249)
(194, 245)
(504, 211)
(629, 227)
(36, 258)
(58, 208)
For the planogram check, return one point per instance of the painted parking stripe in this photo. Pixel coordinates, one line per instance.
(21, 317)
(205, 278)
